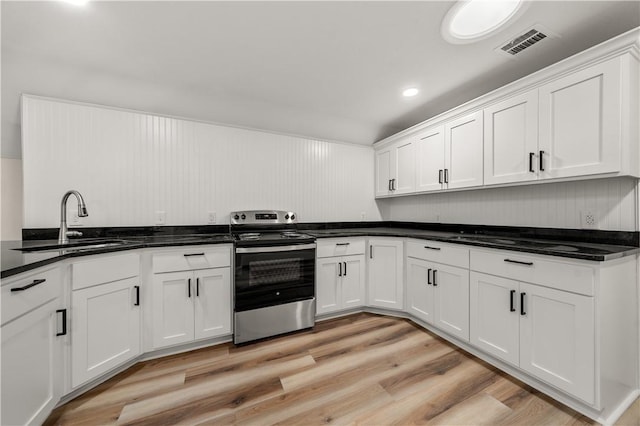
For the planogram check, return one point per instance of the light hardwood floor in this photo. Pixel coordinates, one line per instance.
(361, 369)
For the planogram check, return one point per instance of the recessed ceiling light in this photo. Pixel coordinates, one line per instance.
(471, 20)
(410, 92)
(76, 2)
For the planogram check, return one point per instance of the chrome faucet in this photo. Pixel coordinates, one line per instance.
(63, 236)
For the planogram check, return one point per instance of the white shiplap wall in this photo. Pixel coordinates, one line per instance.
(554, 205)
(128, 165)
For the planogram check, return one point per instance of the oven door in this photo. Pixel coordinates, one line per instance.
(268, 276)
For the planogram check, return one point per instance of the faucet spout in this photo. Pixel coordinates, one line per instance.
(63, 236)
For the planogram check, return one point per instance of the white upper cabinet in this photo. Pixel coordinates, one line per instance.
(580, 122)
(575, 119)
(396, 169)
(384, 172)
(511, 140)
(450, 155)
(463, 152)
(405, 155)
(430, 159)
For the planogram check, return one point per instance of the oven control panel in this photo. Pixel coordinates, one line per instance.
(263, 217)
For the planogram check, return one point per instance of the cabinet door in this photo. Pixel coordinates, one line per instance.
(463, 151)
(494, 316)
(430, 162)
(105, 328)
(31, 366)
(172, 308)
(580, 117)
(511, 140)
(352, 289)
(419, 290)
(327, 285)
(384, 172)
(405, 156)
(557, 339)
(451, 299)
(212, 298)
(385, 273)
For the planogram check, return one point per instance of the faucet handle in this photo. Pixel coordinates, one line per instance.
(74, 234)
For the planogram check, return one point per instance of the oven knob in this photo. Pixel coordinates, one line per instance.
(293, 216)
(244, 216)
(236, 217)
(286, 216)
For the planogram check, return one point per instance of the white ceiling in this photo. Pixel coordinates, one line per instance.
(328, 70)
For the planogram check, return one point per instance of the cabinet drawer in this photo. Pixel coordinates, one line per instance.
(196, 257)
(330, 247)
(16, 303)
(104, 269)
(535, 269)
(438, 252)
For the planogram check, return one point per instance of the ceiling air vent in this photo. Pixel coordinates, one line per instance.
(525, 40)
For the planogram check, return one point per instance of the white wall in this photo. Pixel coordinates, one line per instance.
(11, 203)
(553, 205)
(128, 165)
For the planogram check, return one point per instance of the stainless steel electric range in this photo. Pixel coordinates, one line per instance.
(274, 289)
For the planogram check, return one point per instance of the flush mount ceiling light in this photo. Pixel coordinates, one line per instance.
(472, 20)
(76, 2)
(408, 93)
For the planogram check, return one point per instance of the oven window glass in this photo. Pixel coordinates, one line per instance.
(273, 271)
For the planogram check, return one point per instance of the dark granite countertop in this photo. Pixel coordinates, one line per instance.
(550, 247)
(596, 246)
(15, 261)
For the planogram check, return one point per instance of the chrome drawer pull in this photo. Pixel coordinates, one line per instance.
(28, 286)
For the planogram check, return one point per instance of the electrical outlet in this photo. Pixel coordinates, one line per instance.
(211, 218)
(363, 215)
(161, 217)
(589, 219)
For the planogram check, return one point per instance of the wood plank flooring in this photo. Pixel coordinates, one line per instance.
(361, 369)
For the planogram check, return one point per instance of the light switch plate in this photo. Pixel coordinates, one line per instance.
(161, 217)
(211, 218)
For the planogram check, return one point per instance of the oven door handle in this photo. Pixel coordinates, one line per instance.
(270, 249)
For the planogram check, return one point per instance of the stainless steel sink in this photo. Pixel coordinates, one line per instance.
(75, 246)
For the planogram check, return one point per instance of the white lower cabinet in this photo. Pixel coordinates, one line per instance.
(190, 304)
(105, 328)
(33, 332)
(548, 333)
(340, 283)
(340, 274)
(106, 315)
(385, 273)
(438, 293)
